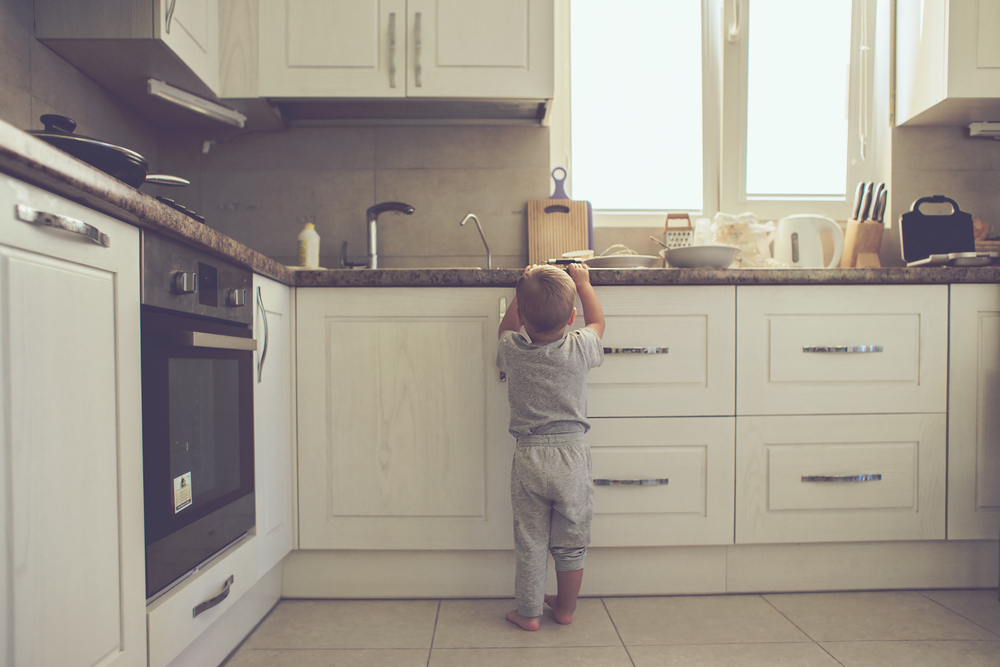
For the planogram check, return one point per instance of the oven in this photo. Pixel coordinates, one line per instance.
(197, 408)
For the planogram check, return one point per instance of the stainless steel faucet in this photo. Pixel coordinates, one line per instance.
(489, 257)
(373, 213)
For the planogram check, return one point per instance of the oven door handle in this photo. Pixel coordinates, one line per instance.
(215, 341)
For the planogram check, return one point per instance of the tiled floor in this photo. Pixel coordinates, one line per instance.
(864, 629)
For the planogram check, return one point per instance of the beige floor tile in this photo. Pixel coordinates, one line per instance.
(915, 654)
(348, 624)
(979, 606)
(405, 657)
(710, 619)
(481, 624)
(743, 655)
(596, 656)
(889, 615)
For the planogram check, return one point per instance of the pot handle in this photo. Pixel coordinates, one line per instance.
(936, 199)
(164, 179)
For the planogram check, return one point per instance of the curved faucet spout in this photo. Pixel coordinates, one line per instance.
(373, 213)
(489, 257)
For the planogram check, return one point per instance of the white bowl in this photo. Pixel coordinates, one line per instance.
(623, 262)
(700, 256)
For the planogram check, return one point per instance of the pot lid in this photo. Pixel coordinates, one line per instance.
(59, 132)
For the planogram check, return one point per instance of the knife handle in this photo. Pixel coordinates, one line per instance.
(858, 196)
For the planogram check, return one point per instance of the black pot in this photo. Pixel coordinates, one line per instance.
(127, 166)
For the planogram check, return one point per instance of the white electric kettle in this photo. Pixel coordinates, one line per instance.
(798, 241)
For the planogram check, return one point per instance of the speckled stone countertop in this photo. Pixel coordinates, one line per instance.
(30, 159)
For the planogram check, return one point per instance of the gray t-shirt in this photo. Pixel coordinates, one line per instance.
(547, 384)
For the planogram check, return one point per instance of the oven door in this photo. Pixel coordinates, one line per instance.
(198, 450)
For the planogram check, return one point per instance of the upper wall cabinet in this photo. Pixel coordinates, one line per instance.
(947, 62)
(122, 43)
(406, 48)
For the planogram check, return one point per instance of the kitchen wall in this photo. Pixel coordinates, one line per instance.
(260, 187)
(35, 81)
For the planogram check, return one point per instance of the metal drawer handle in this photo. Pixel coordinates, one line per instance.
(418, 52)
(263, 319)
(214, 341)
(636, 350)
(43, 219)
(208, 604)
(392, 49)
(842, 349)
(842, 478)
(631, 482)
(170, 14)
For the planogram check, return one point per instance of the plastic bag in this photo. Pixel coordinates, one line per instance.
(747, 233)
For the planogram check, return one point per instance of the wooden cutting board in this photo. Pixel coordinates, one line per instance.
(556, 226)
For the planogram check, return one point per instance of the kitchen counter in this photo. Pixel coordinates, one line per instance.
(35, 161)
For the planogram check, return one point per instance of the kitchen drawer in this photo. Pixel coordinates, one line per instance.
(842, 478)
(690, 459)
(672, 352)
(826, 349)
(172, 625)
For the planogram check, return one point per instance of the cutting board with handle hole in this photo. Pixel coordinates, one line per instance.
(558, 224)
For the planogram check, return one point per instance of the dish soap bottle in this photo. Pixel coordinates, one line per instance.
(309, 246)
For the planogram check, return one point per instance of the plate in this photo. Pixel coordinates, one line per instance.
(700, 256)
(624, 262)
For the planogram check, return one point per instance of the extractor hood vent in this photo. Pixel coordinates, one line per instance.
(409, 111)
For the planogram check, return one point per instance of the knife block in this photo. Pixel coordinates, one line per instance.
(862, 243)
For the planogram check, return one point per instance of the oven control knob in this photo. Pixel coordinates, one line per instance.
(237, 297)
(185, 283)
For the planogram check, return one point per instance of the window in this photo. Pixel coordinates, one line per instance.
(651, 132)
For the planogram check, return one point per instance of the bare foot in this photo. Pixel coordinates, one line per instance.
(558, 614)
(524, 622)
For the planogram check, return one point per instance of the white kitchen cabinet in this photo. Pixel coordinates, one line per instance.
(274, 419)
(841, 349)
(686, 468)
(274, 415)
(121, 43)
(947, 62)
(406, 48)
(669, 351)
(840, 478)
(974, 413)
(72, 560)
(402, 419)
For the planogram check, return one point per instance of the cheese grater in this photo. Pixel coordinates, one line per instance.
(677, 231)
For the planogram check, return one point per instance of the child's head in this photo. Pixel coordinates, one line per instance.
(545, 298)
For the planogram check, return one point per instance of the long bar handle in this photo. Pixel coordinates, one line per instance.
(208, 604)
(392, 49)
(632, 482)
(842, 478)
(842, 349)
(418, 52)
(214, 341)
(43, 219)
(263, 319)
(733, 34)
(503, 311)
(636, 350)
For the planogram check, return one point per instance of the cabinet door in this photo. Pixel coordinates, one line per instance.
(974, 413)
(827, 349)
(191, 29)
(402, 438)
(686, 466)
(332, 48)
(840, 478)
(273, 420)
(72, 562)
(480, 48)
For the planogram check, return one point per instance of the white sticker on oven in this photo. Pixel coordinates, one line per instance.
(182, 492)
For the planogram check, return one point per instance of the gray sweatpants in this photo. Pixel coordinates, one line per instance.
(552, 495)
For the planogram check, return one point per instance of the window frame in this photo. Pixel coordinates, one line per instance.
(724, 76)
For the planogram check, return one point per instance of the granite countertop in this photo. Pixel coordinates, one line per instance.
(28, 158)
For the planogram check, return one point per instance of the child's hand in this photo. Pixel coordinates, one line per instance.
(580, 274)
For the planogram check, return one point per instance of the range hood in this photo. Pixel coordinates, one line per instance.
(411, 111)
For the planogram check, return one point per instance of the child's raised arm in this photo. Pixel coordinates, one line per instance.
(511, 319)
(593, 314)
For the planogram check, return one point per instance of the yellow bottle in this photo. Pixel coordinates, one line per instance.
(309, 246)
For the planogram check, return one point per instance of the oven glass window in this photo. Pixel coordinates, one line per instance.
(204, 429)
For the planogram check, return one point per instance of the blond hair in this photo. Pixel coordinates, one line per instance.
(545, 298)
